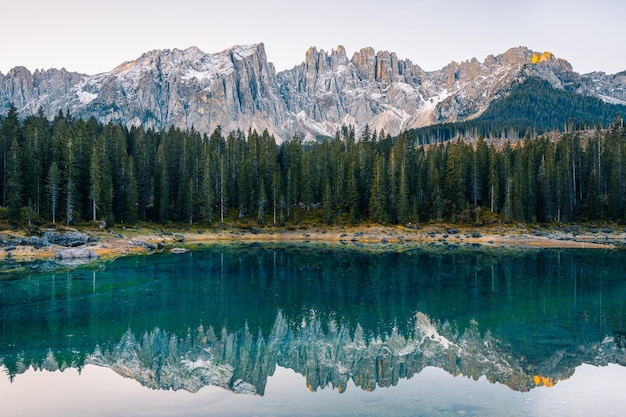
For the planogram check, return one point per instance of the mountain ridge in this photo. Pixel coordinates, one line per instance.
(238, 88)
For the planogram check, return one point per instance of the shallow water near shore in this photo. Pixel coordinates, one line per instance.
(307, 329)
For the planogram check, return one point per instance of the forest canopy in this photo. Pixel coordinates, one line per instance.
(528, 109)
(69, 170)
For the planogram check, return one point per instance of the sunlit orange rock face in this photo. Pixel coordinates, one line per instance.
(544, 57)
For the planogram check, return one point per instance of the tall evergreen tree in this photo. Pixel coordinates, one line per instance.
(161, 187)
(54, 189)
(35, 159)
(378, 198)
(10, 132)
(14, 183)
(94, 182)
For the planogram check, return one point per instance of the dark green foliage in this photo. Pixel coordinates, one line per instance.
(9, 133)
(528, 109)
(534, 103)
(78, 171)
(14, 183)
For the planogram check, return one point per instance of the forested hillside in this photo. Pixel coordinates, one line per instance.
(528, 109)
(69, 170)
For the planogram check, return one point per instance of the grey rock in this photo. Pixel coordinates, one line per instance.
(147, 245)
(35, 242)
(69, 239)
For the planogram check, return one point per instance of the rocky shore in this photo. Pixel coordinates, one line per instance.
(76, 246)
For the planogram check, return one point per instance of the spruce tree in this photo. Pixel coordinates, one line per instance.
(94, 183)
(161, 187)
(378, 198)
(14, 183)
(54, 189)
(10, 132)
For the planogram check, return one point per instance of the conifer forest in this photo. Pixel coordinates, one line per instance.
(69, 170)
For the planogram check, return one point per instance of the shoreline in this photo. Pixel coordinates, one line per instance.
(111, 244)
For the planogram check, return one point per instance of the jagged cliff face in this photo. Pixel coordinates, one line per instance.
(239, 89)
(234, 88)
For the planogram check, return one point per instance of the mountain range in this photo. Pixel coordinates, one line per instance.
(239, 88)
(328, 354)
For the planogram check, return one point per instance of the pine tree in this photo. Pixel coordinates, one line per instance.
(10, 132)
(246, 189)
(144, 157)
(403, 196)
(378, 198)
(35, 159)
(508, 201)
(54, 189)
(207, 196)
(480, 172)
(72, 201)
(353, 194)
(131, 197)
(308, 179)
(223, 188)
(261, 203)
(161, 187)
(328, 205)
(94, 183)
(14, 183)
(275, 194)
(105, 197)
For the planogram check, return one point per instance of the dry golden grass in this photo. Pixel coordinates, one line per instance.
(138, 239)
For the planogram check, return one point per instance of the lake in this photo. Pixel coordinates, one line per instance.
(312, 329)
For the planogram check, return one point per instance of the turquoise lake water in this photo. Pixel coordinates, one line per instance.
(303, 329)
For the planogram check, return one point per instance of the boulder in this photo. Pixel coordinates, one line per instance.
(36, 242)
(69, 239)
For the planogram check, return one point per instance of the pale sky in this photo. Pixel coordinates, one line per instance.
(95, 36)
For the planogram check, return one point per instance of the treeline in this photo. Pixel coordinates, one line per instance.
(529, 108)
(70, 170)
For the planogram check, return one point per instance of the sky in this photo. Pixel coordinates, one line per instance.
(95, 36)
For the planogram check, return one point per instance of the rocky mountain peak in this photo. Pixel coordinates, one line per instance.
(238, 88)
(543, 57)
(241, 52)
(339, 54)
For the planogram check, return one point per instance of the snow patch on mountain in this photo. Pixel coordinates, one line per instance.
(86, 97)
(241, 52)
(198, 75)
(611, 100)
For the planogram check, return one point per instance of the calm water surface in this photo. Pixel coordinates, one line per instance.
(319, 330)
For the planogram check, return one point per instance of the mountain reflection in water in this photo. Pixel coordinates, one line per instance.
(228, 316)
